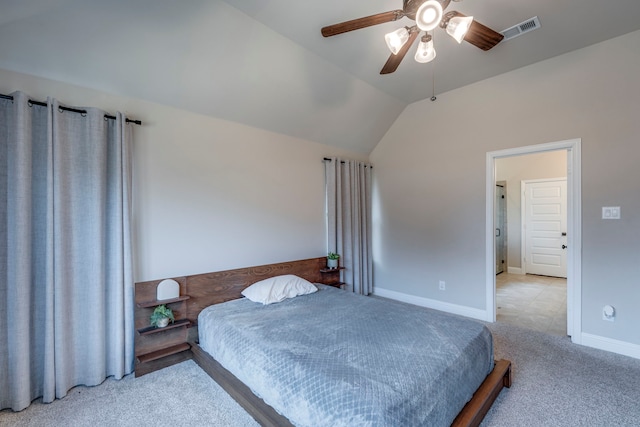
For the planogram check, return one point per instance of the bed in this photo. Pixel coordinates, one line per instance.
(296, 363)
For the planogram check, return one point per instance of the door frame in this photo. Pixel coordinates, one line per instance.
(574, 228)
(523, 221)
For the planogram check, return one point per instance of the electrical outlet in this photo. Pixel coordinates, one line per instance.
(442, 285)
(608, 313)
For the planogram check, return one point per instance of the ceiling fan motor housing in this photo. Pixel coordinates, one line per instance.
(410, 7)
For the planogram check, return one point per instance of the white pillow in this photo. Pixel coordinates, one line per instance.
(278, 288)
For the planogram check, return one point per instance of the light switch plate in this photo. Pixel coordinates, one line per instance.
(611, 212)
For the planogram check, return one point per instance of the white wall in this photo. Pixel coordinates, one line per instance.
(210, 194)
(213, 194)
(429, 217)
(202, 56)
(513, 170)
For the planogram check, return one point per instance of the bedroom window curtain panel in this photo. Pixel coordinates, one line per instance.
(66, 281)
(348, 191)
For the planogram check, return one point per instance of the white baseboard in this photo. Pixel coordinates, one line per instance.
(608, 344)
(514, 270)
(461, 310)
(588, 340)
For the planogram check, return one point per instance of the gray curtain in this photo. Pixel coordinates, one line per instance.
(66, 282)
(348, 185)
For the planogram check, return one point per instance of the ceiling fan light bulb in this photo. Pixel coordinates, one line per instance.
(458, 27)
(426, 52)
(429, 15)
(396, 39)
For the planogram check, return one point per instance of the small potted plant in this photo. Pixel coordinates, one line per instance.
(332, 260)
(161, 316)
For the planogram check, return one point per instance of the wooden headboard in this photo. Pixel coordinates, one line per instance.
(220, 286)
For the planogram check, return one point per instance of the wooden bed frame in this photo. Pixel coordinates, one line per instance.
(217, 287)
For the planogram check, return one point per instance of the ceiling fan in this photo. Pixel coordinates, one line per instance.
(427, 14)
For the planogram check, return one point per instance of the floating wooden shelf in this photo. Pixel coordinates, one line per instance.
(154, 303)
(164, 352)
(331, 270)
(157, 348)
(154, 329)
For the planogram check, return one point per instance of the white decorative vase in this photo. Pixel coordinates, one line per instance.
(332, 263)
(163, 322)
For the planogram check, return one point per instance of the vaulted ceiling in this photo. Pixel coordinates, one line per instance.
(264, 63)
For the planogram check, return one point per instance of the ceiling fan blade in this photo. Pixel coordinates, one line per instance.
(480, 35)
(394, 60)
(356, 24)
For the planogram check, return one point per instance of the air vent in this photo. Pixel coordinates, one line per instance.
(521, 28)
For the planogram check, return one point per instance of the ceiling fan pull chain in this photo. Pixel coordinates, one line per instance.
(433, 76)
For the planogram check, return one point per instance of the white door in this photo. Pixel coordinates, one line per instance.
(545, 227)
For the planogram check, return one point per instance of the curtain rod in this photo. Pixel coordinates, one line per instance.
(326, 159)
(74, 110)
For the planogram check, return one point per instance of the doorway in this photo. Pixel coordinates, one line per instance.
(574, 238)
(533, 296)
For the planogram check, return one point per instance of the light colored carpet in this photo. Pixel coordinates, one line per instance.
(556, 383)
(180, 395)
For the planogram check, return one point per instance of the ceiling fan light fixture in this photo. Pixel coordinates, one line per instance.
(426, 52)
(458, 26)
(428, 15)
(396, 39)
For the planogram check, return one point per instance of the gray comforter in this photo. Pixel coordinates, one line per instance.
(333, 358)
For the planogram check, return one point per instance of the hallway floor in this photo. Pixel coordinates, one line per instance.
(533, 302)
